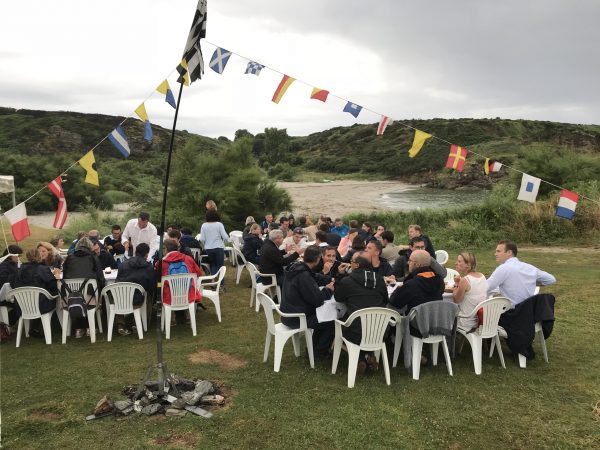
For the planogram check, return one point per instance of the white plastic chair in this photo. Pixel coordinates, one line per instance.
(214, 281)
(120, 258)
(258, 287)
(417, 348)
(122, 295)
(239, 267)
(179, 286)
(451, 273)
(441, 256)
(492, 309)
(374, 323)
(282, 332)
(28, 299)
(237, 236)
(198, 257)
(93, 314)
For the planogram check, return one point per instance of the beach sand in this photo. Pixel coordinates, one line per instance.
(338, 198)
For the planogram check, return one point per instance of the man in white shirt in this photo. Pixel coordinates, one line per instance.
(295, 241)
(516, 280)
(140, 230)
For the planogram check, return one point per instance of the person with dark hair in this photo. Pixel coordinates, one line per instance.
(284, 224)
(252, 244)
(346, 242)
(358, 244)
(187, 239)
(112, 242)
(175, 234)
(321, 239)
(327, 268)
(362, 288)
(340, 228)
(400, 267)
(57, 242)
(301, 294)
(415, 231)
(213, 237)
(9, 271)
(291, 222)
(390, 251)
(105, 258)
(140, 230)
(516, 280)
(379, 264)
(332, 239)
(296, 240)
(379, 229)
(136, 270)
(366, 232)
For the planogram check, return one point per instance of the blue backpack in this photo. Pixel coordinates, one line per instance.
(178, 267)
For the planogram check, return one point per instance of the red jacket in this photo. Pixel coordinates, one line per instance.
(193, 295)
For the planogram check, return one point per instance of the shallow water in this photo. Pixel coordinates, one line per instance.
(416, 197)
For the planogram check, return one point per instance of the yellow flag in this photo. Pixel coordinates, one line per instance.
(163, 87)
(88, 162)
(141, 111)
(184, 74)
(420, 138)
(486, 166)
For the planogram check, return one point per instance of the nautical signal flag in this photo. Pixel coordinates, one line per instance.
(383, 123)
(457, 157)
(165, 89)
(319, 94)
(567, 204)
(88, 162)
(418, 142)
(219, 59)
(55, 187)
(491, 166)
(192, 64)
(353, 109)
(18, 222)
(254, 68)
(529, 188)
(284, 84)
(119, 140)
(142, 114)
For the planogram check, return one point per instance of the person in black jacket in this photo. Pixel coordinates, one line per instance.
(83, 263)
(105, 258)
(422, 284)
(253, 244)
(272, 260)
(415, 231)
(136, 270)
(301, 294)
(187, 239)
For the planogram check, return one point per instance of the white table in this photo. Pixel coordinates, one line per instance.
(331, 310)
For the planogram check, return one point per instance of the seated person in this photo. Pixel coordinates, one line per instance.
(415, 231)
(346, 242)
(105, 258)
(135, 270)
(332, 239)
(358, 244)
(49, 255)
(470, 289)
(272, 260)
(247, 224)
(400, 267)
(296, 240)
(175, 234)
(301, 294)
(187, 239)
(379, 264)
(327, 268)
(516, 280)
(58, 242)
(379, 229)
(112, 242)
(421, 285)
(268, 221)
(390, 250)
(80, 234)
(253, 244)
(321, 239)
(310, 229)
(340, 228)
(284, 223)
(366, 232)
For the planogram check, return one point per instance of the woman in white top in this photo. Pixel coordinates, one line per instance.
(213, 237)
(470, 288)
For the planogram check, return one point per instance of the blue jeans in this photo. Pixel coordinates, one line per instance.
(216, 258)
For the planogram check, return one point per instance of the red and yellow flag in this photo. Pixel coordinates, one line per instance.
(285, 83)
(319, 94)
(457, 157)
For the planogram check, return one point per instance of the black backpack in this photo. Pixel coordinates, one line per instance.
(75, 301)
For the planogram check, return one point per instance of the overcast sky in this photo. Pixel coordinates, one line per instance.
(533, 59)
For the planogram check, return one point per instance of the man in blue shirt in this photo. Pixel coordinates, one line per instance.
(340, 228)
(514, 279)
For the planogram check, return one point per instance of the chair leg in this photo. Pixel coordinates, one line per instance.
(522, 361)
(434, 352)
(138, 323)
(99, 320)
(397, 344)
(353, 354)
(477, 350)
(217, 302)
(496, 340)
(279, 344)
(238, 273)
(296, 344)
(337, 349)
(543, 344)
(20, 331)
(144, 313)
(27, 324)
(111, 324)
(386, 366)
(192, 308)
(447, 356)
(66, 325)
(267, 345)
(309, 347)
(46, 326)
(167, 322)
(252, 295)
(417, 348)
(92, 324)
(493, 344)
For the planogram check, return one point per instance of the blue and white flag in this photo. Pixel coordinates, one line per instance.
(119, 140)
(254, 68)
(353, 109)
(529, 188)
(219, 60)
(147, 130)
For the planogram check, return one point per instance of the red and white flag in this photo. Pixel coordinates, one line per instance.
(61, 213)
(383, 123)
(18, 222)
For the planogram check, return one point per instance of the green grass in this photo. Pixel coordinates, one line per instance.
(48, 390)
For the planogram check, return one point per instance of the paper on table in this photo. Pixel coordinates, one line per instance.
(327, 312)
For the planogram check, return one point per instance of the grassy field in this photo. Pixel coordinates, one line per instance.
(46, 391)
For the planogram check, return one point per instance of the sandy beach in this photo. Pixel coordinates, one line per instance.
(340, 197)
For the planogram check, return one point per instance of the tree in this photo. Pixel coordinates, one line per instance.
(239, 134)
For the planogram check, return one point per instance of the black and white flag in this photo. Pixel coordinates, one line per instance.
(192, 54)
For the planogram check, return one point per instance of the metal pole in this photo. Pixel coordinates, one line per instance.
(159, 347)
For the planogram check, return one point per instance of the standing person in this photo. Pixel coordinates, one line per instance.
(84, 263)
(140, 230)
(516, 280)
(470, 288)
(301, 294)
(210, 204)
(213, 237)
(112, 242)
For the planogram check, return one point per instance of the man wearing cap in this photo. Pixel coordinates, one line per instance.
(296, 240)
(9, 267)
(140, 230)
